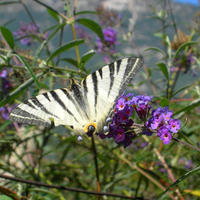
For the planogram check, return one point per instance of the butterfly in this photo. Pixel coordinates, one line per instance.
(87, 106)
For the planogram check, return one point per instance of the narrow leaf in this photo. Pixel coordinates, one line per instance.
(53, 14)
(69, 60)
(65, 47)
(191, 106)
(38, 51)
(28, 68)
(182, 47)
(7, 36)
(93, 26)
(13, 95)
(57, 29)
(155, 49)
(87, 12)
(85, 58)
(188, 174)
(164, 69)
(180, 89)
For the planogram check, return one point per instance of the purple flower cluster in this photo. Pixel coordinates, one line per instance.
(4, 113)
(119, 129)
(82, 33)
(185, 65)
(110, 36)
(26, 32)
(162, 121)
(6, 86)
(108, 17)
(140, 103)
(5, 83)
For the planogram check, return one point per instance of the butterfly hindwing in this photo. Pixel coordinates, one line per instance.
(55, 104)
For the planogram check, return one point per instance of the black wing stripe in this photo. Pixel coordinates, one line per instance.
(78, 107)
(85, 88)
(118, 65)
(41, 106)
(60, 102)
(30, 104)
(112, 71)
(21, 116)
(46, 96)
(95, 88)
(100, 73)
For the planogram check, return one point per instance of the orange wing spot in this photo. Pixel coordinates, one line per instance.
(91, 124)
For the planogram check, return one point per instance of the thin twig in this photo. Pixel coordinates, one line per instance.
(69, 188)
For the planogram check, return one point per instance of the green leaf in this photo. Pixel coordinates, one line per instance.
(53, 14)
(9, 22)
(13, 95)
(187, 175)
(87, 12)
(189, 107)
(4, 125)
(85, 58)
(69, 60)
(155, 49)
(164, 69)
(38, 51)
(182, 47)
(179, 90)
(93, 26)
(39, 190)
(164, 102)
(57, 29)
(7, 36)
(28, 68)
(4, 197)
(65, 47)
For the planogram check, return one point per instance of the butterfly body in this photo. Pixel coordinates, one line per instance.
(87, 106)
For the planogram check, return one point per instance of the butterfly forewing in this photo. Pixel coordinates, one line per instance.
(105, 86)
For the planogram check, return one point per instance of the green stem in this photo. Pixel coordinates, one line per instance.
(96, 165)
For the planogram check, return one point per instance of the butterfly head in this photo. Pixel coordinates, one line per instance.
(90, 127)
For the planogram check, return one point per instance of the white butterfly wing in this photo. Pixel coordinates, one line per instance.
(57, 104)
(104, 87)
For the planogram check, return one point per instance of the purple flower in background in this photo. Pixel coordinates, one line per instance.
(184, 64)
(109, 17)
(106, 59)
(110, 37)
(4, 111)
(26, 32)
(3, 73)
(82, 33)
(6, 86)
